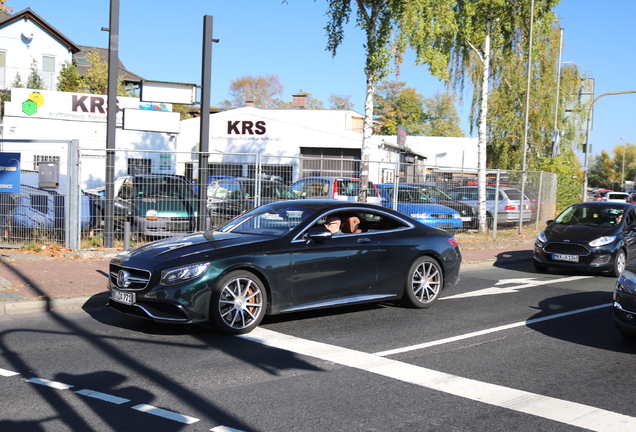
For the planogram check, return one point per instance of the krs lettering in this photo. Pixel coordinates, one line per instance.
(246, 127)
(92, 104)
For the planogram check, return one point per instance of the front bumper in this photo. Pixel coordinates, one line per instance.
(595, 259)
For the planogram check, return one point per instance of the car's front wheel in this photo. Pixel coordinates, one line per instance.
(424, 283)
(238, 303)
(619, 264)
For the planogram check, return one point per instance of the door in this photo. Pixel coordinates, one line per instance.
(341, 266)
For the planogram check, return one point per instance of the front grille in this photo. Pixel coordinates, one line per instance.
(566, 248)
(138, 278)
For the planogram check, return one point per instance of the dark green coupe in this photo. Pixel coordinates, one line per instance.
(280, 258)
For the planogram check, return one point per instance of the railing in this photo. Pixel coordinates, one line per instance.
(169, 205)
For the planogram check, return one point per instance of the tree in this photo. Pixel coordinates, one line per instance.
(96, 79)
(462, 40)
(69, 80)
(601, 170)
(377, 18)
(4, 8)
(441, 116)
(397, 105)
(262, 90)
(340, 102)
(35, 81)
(17, 81)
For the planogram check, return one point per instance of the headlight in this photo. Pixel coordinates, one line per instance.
(456, 216)
(420, 215)
(183, 273)
(541, 238)
(152, 215)
(602, 241)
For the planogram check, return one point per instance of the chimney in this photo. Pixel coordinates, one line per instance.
(249, 103)
(299, 101)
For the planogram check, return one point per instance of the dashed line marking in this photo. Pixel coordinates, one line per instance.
(165, 414)
(224, 429)
(48, 383)
(7, 373)
(103, 396)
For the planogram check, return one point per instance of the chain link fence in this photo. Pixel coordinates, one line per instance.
(155, 194)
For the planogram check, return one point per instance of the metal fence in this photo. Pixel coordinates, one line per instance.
(156, 194)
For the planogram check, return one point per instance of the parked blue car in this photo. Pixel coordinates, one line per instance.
(412, 202)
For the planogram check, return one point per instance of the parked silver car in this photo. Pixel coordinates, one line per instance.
(508, 203)
(336, 188)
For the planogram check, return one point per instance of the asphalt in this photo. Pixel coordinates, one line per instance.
(39, 282)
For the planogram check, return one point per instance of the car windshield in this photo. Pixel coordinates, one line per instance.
(592, 216)
(267, 221)
(154, 188)
(436, 194)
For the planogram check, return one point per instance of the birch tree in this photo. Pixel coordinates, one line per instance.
(377, 18)
(454, 36)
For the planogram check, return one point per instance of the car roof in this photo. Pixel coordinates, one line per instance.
(603, 204)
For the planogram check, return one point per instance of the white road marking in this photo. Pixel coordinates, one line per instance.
(559, 410)
(521, 284)
(7, 373)
(48, 383)
(103, 396)
(487, 331)
(224, 429)
(165, 414)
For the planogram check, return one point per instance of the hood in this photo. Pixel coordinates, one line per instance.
(578, 233)
(178, 247)
(462, 209)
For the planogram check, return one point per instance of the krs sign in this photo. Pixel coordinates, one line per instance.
(246, 127)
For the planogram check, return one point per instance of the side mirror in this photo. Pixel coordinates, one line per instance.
(548, 222)
(317, 234)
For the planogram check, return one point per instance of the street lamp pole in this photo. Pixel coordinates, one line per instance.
(623, 169)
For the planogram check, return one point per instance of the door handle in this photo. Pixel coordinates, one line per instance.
(364, 240)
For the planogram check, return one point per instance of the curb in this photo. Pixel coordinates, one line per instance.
(31, 306)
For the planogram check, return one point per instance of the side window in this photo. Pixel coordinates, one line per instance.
(316, 188)
(631, 218)
(234, 190)
(126, 191)
(298, 187)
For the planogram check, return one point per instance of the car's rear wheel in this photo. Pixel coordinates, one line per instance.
(424, 283)
(619, 264)
(238, 303)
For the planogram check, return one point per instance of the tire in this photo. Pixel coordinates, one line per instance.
(619, 264)
(539, 267)
(238, 303)
(424, 283)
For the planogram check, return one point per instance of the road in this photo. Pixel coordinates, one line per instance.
(506, 349)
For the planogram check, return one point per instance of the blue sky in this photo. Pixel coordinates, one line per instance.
(162, 40)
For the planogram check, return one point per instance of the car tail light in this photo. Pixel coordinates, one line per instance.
(453, 242)
(335, 190)
(510, 208)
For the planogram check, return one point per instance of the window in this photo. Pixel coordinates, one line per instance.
(48, 63)
(3, 59)
(42, 158)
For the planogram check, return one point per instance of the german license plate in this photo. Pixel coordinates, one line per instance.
(564, 257)
(122, 297)
(466, 218)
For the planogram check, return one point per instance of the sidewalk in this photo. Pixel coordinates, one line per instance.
(31, 282)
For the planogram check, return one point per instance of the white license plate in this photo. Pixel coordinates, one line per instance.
(466, 218)
(122, 297)
(564, 257)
